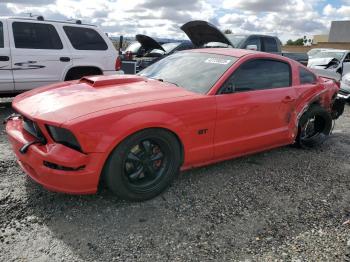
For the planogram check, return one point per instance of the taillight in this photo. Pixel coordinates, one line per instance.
(128, 55)
(118, 64)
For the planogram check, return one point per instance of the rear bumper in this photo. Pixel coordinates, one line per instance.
(81, 181)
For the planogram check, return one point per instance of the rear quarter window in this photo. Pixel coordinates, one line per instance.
(270, 44)
(306, 77)
(36, 36)
(1, 35)
(85, 38)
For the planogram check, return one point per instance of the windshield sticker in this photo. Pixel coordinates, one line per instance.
(217, 61)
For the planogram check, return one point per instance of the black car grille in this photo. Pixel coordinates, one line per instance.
(32, 128)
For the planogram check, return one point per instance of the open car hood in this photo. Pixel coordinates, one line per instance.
(320, 61)
(148, 43)
(331, 74)
(202, 32)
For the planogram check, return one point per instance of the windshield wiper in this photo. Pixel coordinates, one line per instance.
(162, 80)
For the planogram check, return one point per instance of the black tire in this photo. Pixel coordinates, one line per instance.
(314, 127)
(128, 171)
(77, 73)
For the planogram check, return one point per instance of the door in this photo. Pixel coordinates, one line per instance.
(6, 79)
(253, 41)
(346, 64)
(39, 57)
(254, 108)
(270, 45)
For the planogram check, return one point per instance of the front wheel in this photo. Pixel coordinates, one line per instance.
(314, 127)
(143, 165)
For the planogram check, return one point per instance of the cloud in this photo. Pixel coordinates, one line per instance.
(159, 18)
(28, 3)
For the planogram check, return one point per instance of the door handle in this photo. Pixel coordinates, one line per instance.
(64, 59)
(4, 58)
(288, 99)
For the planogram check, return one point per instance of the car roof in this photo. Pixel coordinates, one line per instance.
(238, 53)
(224, 51)
(334, 50)
(35, 19)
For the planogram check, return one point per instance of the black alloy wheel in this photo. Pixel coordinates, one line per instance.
(143, 165)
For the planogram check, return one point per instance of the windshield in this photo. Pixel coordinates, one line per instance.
(313, 52)
(133, 47)
(168, 47)
(327, 54)
(236, 40)
(196, 72)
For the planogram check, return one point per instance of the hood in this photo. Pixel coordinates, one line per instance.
(327, 73)
(202, 32)
(319, 61)
(148, 43)
(66, 101)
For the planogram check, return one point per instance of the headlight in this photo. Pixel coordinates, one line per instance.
(64, 137)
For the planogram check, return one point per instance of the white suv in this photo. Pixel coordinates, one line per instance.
(35, 52)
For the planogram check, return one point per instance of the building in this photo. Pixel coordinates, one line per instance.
(340, 32)
(320, 39)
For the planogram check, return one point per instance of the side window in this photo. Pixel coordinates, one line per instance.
(85, 38)
(306, 77)
(270, 44)
(347, 58)
(253, 41)
(259, 74)
(36, 36)
(1, 36)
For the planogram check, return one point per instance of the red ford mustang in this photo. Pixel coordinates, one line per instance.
(190, 109)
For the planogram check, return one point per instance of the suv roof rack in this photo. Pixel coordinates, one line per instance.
(41, 18)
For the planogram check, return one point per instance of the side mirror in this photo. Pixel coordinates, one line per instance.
(252, 47)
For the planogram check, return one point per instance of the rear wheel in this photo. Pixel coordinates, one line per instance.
(314, 127)
(79, 72)
(143, 165)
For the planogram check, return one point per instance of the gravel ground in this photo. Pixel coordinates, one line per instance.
(283, 205)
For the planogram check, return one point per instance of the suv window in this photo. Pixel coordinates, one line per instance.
(270, 44)
(306, 77)
(36, 36)
(259, 74)
(85, 38)
(1, 36)
(253, 41)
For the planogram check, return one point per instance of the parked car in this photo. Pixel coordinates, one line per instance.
(147, 50)
(142, 45)
(162, 51)
(204, 34)
(37, 52)
(334, 60)
(189, 109)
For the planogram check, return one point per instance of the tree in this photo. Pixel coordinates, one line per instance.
(299, 41)
(228, 31)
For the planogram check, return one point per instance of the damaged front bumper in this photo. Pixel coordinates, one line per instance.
(54, 166)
